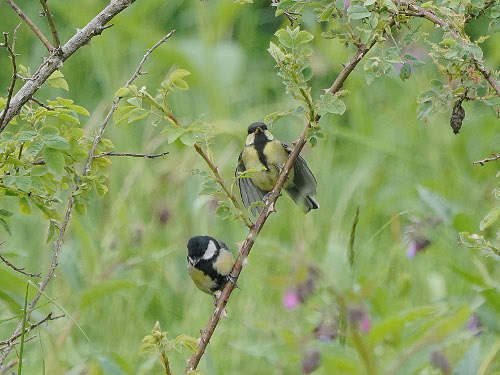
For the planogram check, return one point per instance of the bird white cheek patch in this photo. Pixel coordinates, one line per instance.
(211, 249)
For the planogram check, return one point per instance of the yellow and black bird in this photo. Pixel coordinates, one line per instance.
(209, 263)
(264, 151)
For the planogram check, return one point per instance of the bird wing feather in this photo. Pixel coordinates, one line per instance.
(248, 191)
(303, 178)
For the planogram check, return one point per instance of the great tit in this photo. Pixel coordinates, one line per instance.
(209, 263)
(262, 149)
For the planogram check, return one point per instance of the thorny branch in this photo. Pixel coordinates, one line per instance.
(86, 170)
(246, 247)
(416, 11)
(12, 52)
(60, 55)
(32, 26)
(486, 160)
(50, 20)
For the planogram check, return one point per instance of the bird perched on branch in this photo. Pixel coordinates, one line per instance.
(209, 263)
(264, 157)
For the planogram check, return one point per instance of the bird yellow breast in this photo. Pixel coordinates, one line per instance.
(203, 282)
(224, 262)
(275, 155)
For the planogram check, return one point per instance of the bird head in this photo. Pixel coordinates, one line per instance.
(257, 127)
(201, 247)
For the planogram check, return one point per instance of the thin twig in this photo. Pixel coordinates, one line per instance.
(471, 16)
(53, 29)
(30, 328)
(416, 11)
(60, 55)
(20, 270)
(130, 154)
(32, 26)
(71, 200)
(41, 104)
(349, 67)
(220, 180)
(12, 53)
(495, 157)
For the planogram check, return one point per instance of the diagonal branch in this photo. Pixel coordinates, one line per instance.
(32, 26)
(71, 200)
(59, 55)
(12, 52)
(50, 20)
(255, 229)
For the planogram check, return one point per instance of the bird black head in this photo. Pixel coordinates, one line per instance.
(198, 245)
(256, 126)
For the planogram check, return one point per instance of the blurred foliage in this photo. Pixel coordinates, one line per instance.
(404, 294)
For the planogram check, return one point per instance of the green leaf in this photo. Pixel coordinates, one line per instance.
(122, 113)
(81, 208)
(51, 232)
(23, 182)
(54, 160)
(209, 187)
(357, 12)
(101, 189)
(405, 72)
(121, 92)
(489, 219)
(5, 226)
(26, 135)
(24, 206)
(56, 142)
(223, 210)
(5, 213)
(188, 138)
(57, 80)
(329, 103)
(34, 148)
(173, 132)
(494, 26)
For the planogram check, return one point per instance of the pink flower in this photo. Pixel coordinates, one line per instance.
(290, 300)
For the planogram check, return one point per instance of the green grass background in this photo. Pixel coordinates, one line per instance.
(122, 268)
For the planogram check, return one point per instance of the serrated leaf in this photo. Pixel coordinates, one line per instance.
(24, 206)
(223, 210)
(54, 160)
(330, 104)
(209, 187)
